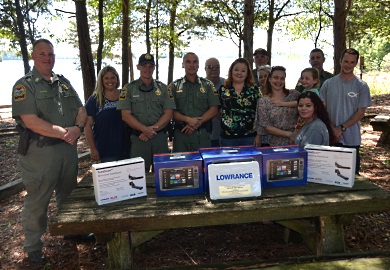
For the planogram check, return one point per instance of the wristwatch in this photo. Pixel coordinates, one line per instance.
(343, 128)
(81, 128)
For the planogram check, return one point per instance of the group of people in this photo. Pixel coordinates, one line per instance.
(249, 107)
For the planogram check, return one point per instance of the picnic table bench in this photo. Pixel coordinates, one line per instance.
(317, 212)
(381, 122)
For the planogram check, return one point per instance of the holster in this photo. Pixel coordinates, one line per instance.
(24, 139)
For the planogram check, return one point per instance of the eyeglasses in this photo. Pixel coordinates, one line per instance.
(211, 67)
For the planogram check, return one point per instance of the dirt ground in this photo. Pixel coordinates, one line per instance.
(194, 246)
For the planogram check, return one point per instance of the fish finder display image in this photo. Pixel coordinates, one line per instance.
(177, 178)
(284, 169)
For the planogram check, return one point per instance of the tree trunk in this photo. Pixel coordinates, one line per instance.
(270, 31)
(147, 25)
(172, 39)
(248, 30)
(22, 36)
(99, 56)
(341, 9)
(86, 59)
(125, 42)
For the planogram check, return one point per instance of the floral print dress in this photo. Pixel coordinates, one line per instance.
(269, 115)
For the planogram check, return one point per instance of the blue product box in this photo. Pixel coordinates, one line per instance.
(284, 166)
(178, 174)
(232, 172)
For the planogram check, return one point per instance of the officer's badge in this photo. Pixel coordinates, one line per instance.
(122, 95)
(158, 92)
(202, 90)
(19, 92)
(148, 56)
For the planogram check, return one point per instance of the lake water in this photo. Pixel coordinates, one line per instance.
(12, 70)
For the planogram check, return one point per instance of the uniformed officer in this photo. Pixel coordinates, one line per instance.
(197, 103)
(147, 107)
(49, 111)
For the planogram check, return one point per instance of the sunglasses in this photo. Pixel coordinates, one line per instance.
(211, 67)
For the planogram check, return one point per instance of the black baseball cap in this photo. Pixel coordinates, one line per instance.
(260, 51)
(146, 58)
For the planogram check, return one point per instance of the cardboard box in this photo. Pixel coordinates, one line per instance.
(119, 180)
(331, 165)
(284, 166)
(232, 172)
(178, 174)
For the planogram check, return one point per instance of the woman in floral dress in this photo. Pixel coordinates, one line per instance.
(278, 121)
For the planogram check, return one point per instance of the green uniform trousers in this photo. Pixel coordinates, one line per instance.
(185, 143)
(157, 145)
(44, 170)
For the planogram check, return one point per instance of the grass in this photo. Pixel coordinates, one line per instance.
(378, 82)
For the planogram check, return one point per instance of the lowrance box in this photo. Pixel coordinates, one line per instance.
(178, 174)
(232, 172)
(119, 180)
(331, 165)
(284, 166)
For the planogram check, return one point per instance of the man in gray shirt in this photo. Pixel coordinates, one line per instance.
(346, 97)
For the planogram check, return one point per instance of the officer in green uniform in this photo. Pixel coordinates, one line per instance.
(51, 118)
(197, 103)
(147, 107)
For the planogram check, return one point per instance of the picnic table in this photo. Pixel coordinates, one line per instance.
(317, 212)
(381, 122)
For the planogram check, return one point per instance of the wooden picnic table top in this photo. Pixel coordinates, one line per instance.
(81, 214)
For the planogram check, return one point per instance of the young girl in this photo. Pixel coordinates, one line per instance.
(310, 81)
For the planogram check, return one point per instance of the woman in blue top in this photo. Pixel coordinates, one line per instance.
(106, 134)
(238, 97)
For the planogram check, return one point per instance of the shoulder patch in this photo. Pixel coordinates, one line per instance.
(19, 92)
(123, 94)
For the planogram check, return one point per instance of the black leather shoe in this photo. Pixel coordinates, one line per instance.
(82, 238)
(36, 257)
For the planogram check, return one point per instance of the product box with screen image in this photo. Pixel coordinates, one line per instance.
(119, 180)
(284, 166)
(232, 172)
(331, 165)
(178, 174)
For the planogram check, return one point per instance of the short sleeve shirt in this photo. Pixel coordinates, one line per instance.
(193, 99)
(314, 132)
(54, 101)
(238, 111)
(342, 99)
(147, 105)
(269, 115)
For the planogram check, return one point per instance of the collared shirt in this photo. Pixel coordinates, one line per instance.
(147, 104)
(54, 101)
(193, 99)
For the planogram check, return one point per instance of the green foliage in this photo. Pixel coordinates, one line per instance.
(385, 65)
(374, 49)
(227, 18)
(31, 12)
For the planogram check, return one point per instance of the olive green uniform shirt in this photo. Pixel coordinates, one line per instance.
(147, 105)
(193, 99)
(52, 167)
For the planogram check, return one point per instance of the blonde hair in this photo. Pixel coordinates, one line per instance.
(99, 89)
